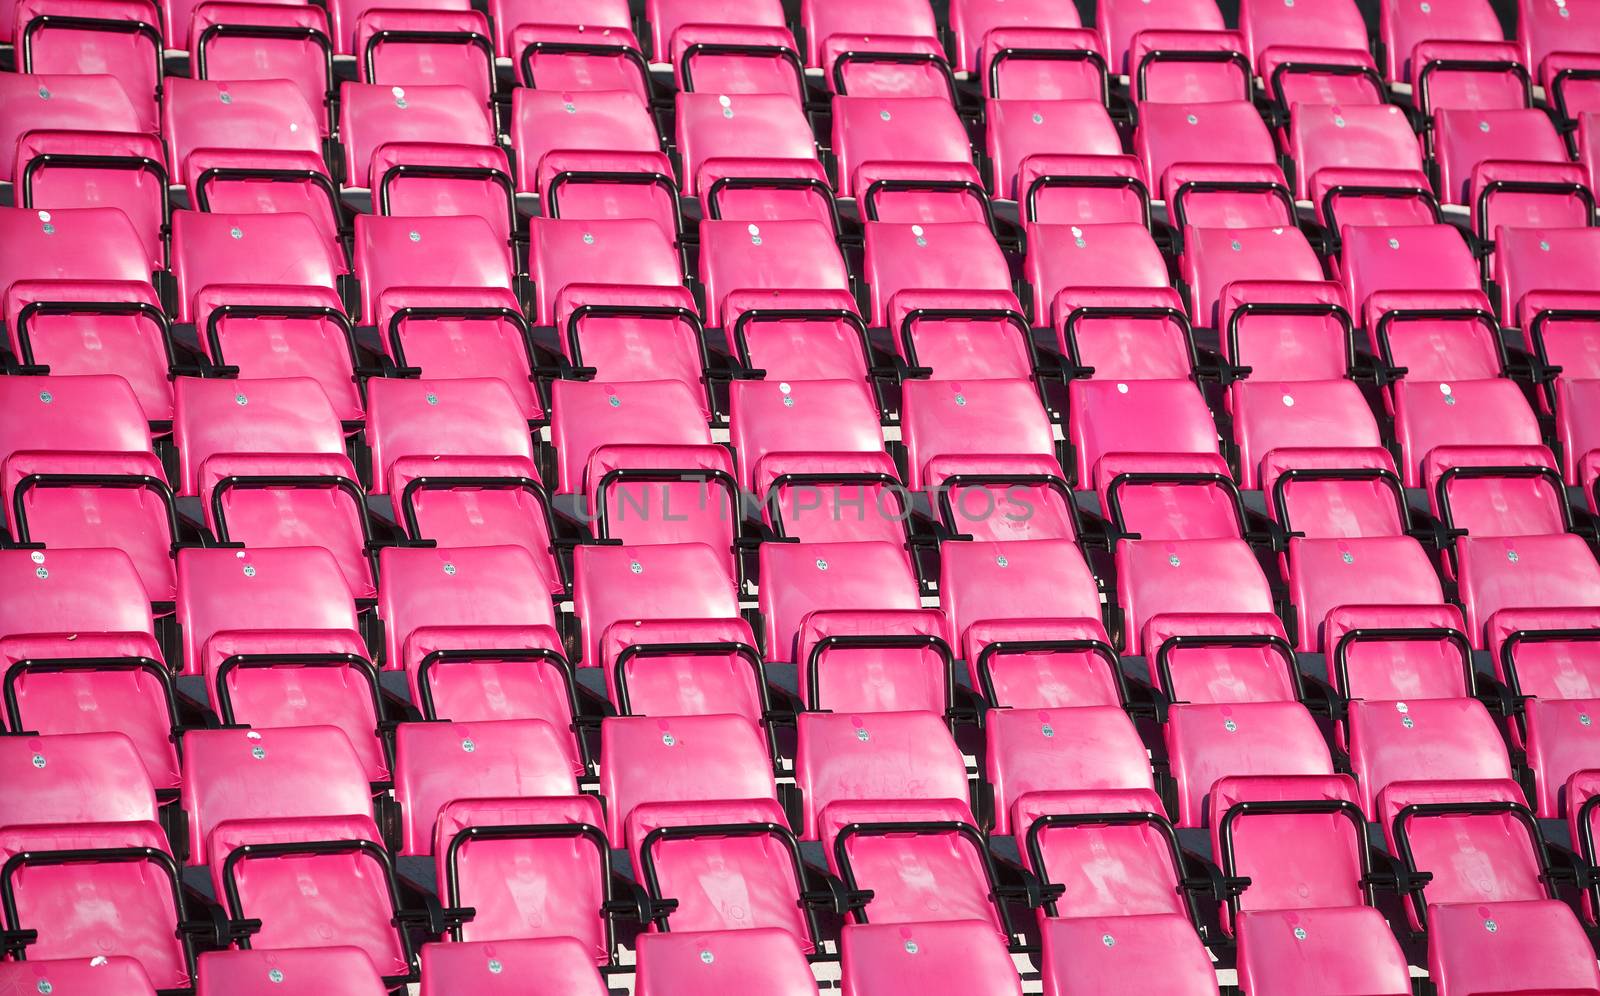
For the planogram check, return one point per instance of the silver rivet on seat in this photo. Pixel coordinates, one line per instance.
(1300, 932)
(39, 761)
(495, 968)
(1108, 940)
(236, 232)
(467, 745)
(450, 569)
(884, 115)
(707, 957)
(276, 975)
(414, 235)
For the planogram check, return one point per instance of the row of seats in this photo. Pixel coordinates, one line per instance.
(283, 821)
(264, 464)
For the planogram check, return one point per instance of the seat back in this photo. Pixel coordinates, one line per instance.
(648, 760)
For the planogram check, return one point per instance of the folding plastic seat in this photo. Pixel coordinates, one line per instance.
(938, 958)
(103, 595)
(1168, 496)
(274, 475)
(283, 819)
(1178, 67)
(372, 116)
(766, 420)
(1516, 572)
(533, 870)
(95, 683)
(437, 764)
(1120, 21)
(727, 59)
(1551, 40)
(1213, 258)
(1063, 257)
(1546, 947)
(336, 971)
(120, 38)
(691, 855)
(1327, 573)
(1155, 577)
(78, 976)
(1496, 490)
(1430, 258)
(1137, 416)
(1160, 949)
(1172, 134)
(744, 127)
(1272, 416)
(253, 41)
(1542, 654)
(1041, 764)
(912, 257)
(475, 633)
(771, 256)
(650, 761)
(973, 20)
(60, 102)
(71, 327)
(1402, 29)
(667, 16)
(606, 433)
(1083, 190)
(1284, 330)
(1434, 336)
(1341, 139)
(441, 179)
(948, 426)
(1397, 652)
(1332, 492)
(456, 461)
(1220, 658)
(822, 20)
(1327, 43)
(761, 190)
(442, 293)
(962, 335)
(581, 131)
(624, 586)
(875, 759)
(1206, 742)
(1465, 138)
(1436, 825)
(67, 169)
(1531, 263)
(97, 484)
(684, 963)
(77, 245)
(83, 838)
(1460, 413)
(250, 146)
(286, 589)
(617, 253)
(1042, 645)
(427, 47)
(548, 966)
(1305, 919)
(233, 256)
(589, 49)
(1019, 128)
(1125, 333)
(893, 660)
(802, 581)
(834, 497)
(1528, 195)
(1042, 62)
(897, 826)
(872, 131)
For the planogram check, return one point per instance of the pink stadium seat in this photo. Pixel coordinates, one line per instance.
(1095, 954)
(553, 965)
(336, 971)
(938, 959)
(680, 964)
(78, 976)
(266, 41)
